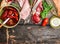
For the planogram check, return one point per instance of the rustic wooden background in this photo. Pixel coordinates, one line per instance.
(30, 34)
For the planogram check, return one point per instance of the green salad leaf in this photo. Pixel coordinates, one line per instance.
(46, 9)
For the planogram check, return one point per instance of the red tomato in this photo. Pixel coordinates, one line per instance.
(45, 22)
(36, 18)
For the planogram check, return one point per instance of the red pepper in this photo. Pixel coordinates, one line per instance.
(9, 16)
(16, 13)
(45, 22)
(36, 18)
(10, 12)
(16, 18)
(13, 11)
(13, 17)
(4, 15)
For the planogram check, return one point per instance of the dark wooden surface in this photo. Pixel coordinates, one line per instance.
(31, 35)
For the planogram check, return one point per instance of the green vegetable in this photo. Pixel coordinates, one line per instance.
(46, 10)
(45, 4)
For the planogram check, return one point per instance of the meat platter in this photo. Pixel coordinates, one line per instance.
(37, 12)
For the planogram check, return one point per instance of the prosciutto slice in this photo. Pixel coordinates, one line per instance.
(25, 12)
(21, 2)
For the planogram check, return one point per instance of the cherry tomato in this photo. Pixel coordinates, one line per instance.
(36, 18)
(45, 22)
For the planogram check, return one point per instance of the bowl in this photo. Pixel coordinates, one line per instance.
(7, 26)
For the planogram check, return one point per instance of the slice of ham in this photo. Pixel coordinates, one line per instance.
(21, 2)
(57, 4)
(25, 12)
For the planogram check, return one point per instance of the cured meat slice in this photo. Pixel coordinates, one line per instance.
(21, 2)
(25, 12)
